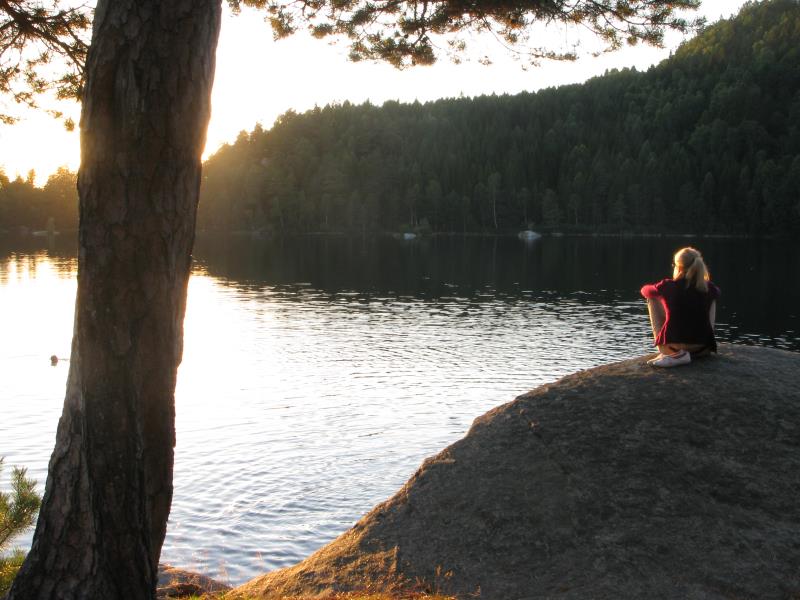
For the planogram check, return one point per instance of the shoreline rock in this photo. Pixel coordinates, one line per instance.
(179, 583)
(622, 481)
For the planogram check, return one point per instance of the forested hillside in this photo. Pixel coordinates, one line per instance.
(707, 141)
(23, 205)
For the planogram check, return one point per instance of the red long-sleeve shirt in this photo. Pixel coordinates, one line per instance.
(686, 309)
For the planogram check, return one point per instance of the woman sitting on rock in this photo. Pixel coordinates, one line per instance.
(682, 311)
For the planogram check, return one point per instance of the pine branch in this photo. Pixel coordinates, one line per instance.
(18, 509)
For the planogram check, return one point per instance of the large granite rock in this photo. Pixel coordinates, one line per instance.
(619, 482)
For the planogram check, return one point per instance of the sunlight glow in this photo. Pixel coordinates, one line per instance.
(258, 79)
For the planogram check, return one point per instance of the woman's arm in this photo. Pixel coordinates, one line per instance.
(657, 290)
(650, 291)
(712, 313)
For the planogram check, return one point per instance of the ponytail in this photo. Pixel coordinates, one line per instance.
(689, 265)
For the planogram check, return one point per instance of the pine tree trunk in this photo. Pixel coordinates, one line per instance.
(109, 487)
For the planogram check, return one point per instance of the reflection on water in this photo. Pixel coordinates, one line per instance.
(318, 373)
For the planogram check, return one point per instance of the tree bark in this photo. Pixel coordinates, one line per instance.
(109, 487)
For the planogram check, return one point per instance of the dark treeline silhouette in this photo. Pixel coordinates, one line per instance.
(707, 141)
(25, 207)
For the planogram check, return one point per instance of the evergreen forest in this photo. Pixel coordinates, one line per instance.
(26, 207)
(708, 141)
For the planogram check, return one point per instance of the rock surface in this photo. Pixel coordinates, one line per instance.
(178, 583)
(619, 482)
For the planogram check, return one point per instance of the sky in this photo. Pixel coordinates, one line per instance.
(258, 79)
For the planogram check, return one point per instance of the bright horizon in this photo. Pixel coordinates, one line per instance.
(300, 73)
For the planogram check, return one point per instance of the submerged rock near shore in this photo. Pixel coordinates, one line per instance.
(622, 481)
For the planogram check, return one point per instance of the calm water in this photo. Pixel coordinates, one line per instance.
(319, 373)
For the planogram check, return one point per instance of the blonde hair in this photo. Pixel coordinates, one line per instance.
(689, 265)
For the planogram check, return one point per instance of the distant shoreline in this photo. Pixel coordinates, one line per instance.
(65, 238)
(502, 234)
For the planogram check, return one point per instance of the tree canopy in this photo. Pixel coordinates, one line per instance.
(23, 206)
(37, 40)
(708, 132)
(32, 36)
(415, 32)
(705, 142)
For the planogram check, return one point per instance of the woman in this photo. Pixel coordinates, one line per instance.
(682, 311)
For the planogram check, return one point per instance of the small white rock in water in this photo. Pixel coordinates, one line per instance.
(528, 235)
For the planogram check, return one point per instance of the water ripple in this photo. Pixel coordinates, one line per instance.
(299, 408)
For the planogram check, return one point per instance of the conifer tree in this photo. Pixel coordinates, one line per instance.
(18, 511)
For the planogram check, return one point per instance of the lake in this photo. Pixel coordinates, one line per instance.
(319, 372)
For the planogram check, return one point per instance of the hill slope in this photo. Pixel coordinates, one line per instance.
(618, 482)
(707, 141)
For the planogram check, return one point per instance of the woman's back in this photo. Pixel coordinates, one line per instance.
(682, 310)
(687, 312)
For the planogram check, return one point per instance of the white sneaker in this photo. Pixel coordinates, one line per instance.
(658, 356)
(673, 360)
